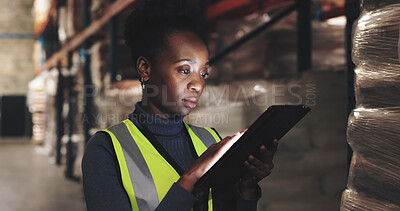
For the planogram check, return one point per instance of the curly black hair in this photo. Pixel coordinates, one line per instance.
(149, 24)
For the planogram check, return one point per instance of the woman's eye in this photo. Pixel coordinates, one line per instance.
(184, 71)
(203, 75)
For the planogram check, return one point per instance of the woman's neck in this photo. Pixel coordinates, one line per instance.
(151, 108)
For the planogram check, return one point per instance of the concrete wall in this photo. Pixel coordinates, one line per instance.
(16, 68)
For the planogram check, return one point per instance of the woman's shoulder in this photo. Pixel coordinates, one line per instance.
(100, 154)
(99, 145)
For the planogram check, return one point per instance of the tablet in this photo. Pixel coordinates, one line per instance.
(275, 122)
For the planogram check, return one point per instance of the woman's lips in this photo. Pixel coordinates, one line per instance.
(190, 102)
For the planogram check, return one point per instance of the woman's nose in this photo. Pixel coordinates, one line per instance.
(195, 84)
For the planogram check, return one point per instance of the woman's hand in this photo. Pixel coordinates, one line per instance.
(206, 161)
(257, 169)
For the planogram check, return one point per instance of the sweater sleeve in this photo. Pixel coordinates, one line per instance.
(177, 198)
(102, 182)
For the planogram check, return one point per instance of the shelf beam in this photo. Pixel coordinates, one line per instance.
(79, 38)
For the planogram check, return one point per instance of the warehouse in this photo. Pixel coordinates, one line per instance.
(68, 72)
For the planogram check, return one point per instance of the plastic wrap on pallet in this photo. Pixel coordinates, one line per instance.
(375, 93)
(376, 37)
(375, 47)
(353, 201)
(370, 5)
(373, 128)
(375, 131)
(376, 177)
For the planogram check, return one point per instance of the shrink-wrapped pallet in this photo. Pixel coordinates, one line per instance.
(373, 127)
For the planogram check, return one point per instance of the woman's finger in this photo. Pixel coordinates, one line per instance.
(268, 154)
(256, 172)
(232, 139)
(262, 165)
(226, 138)
(217, 150)
(274, 146)
(265, 155)
(235, 136)
(256, 162)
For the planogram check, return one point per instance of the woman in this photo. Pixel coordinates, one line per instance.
(150, 161)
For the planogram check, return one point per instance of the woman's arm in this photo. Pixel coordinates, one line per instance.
(101, 176)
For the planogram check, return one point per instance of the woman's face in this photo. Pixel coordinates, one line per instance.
(177, 77)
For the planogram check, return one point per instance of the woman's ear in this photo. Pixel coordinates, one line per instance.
(143, 67)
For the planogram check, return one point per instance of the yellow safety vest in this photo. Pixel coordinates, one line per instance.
(146, 175)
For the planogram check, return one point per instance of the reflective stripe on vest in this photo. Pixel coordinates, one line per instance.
(145, 174)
